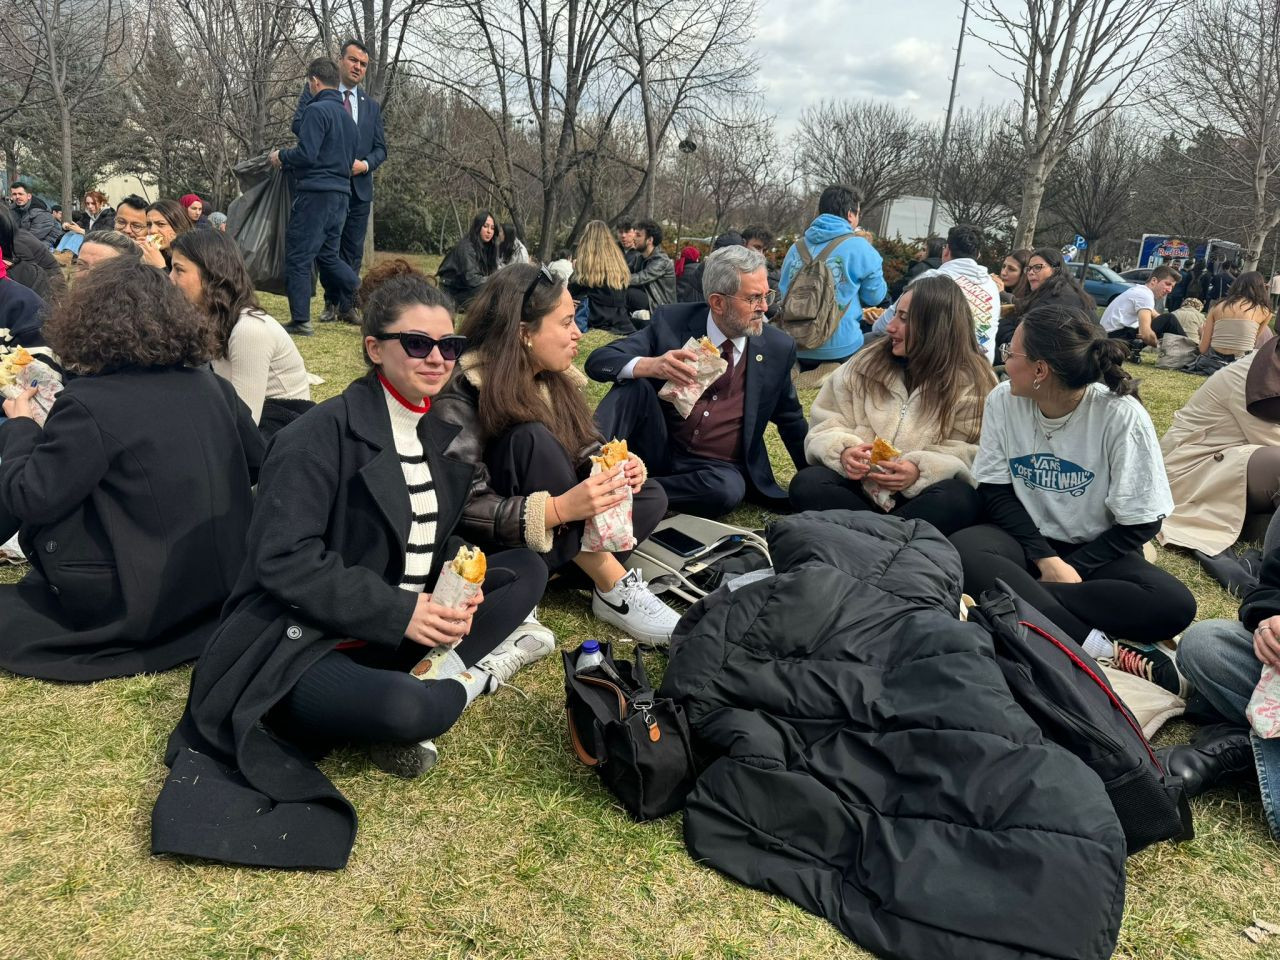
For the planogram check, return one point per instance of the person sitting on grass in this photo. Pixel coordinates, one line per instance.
(600, 277)
(922, 388)
(253, 351)
(133, 500)
(1072, 485)
(472, 261)
(1223, 660)
(1131, 317)
(103, 245)
(519, 406)
(1045, 281)
(357, 509)
(166, 221)
(713, 459)
(1238, 323)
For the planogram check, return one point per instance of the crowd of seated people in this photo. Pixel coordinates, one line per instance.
(147, 554)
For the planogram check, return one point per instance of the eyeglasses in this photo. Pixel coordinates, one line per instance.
(1006, 351)
(419, 345)
(765, 300)
(1038, 268)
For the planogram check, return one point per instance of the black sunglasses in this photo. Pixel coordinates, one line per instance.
(419, 345)
(542, 276)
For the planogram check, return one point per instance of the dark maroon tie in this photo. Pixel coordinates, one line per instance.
(722, 382)
(346, 101)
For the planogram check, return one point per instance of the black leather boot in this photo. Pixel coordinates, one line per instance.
(1217, 756)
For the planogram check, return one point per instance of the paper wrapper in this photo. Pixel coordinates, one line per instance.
(1264, 706)
(610, 531)
(683, 398)
(881, 497)
(48, 385)
(452, 589)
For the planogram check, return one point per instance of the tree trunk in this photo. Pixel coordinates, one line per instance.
(369, 251)
(64, 113)
(1033, 181)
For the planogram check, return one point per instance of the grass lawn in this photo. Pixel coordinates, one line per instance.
(508, 848)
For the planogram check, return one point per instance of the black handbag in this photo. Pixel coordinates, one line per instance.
(637, 743)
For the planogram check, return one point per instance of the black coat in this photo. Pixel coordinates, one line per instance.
(34, 266)
(133, 501)
(867, 760)
(463, 272)
(1263, 600)
(326, 552)
(22, 313)
(1062, 293)
(770, 394)
(608, 308)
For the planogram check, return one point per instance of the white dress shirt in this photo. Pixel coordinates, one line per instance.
(714, 334)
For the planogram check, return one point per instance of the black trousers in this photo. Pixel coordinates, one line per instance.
(697, 485)
(949, 505)
(1128, 598)
(351, 249)
(367, 695)
(527, 459)
(1165, 323)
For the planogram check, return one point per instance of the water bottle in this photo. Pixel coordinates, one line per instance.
(590, 656)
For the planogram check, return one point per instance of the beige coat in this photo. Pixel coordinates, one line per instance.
(1206, 455)
(846, 414)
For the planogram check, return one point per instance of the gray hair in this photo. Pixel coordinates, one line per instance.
(217, 219)
(116, 240)
(725, 267)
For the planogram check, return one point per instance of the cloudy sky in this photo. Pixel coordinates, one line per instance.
(901, 51)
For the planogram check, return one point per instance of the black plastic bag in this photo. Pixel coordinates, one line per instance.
(258, 220)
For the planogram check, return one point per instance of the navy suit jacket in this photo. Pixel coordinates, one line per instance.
(371, 141)
(770, 395)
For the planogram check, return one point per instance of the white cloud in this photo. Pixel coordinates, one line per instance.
(900, 51)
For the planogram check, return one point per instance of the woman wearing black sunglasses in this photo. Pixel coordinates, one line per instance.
(356, 507)
(521, 410)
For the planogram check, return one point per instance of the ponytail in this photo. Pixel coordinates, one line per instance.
(1076, 349)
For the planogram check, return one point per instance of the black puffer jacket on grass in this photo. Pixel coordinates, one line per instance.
(869, 763)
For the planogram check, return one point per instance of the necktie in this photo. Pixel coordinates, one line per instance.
(722, 382)
(346, 101)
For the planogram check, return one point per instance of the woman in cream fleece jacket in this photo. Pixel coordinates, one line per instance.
(922, 390)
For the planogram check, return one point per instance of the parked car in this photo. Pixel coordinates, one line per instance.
(1102, 283)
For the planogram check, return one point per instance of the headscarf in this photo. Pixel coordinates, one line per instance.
(687, 255)
(189, 199)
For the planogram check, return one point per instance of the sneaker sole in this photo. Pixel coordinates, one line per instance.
(402, 761)
(656, 639)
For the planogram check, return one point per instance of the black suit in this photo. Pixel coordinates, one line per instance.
(371, 147)
(632, 410)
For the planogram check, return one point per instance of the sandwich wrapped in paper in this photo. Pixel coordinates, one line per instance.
(20, 370)
(461, 578)
(881, 450)
(709, 367)
(612, 530)
(1264, 706)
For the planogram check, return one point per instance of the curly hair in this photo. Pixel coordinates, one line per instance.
(123, 314)
(227, 290)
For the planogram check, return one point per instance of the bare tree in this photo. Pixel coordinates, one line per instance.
(1073, 63)
(78, 52)
(980, 169)
(1094, 187)
(876, 147)
(1235, 45)
(733, 159)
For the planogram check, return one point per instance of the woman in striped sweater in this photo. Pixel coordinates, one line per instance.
(356, 506)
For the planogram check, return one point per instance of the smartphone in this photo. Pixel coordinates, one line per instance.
(679, 543)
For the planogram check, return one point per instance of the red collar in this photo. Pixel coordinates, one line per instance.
(426, 401)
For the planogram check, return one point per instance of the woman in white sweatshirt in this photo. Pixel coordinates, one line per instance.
(252, 350)
(921, 389)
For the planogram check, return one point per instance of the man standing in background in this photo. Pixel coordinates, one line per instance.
(322, 162)
(371, 151)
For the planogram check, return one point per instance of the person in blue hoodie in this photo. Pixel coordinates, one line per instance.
(322, 161)
(855, 265)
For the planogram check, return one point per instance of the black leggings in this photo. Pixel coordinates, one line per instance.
(949, 505)
(1128, 598)
(367, 695)
(527, 458)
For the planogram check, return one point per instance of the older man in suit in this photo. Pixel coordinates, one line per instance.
(713, 459)
(371, 151)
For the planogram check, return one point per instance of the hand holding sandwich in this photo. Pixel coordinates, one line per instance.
(433, 625)
(679, 366)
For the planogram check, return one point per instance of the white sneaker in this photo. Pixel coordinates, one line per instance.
(529, 642)
(632, 607)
